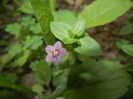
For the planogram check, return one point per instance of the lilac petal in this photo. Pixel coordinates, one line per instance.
(48, 49)
(49, 58)
(58, 45)
(62, 52)
(57, 60)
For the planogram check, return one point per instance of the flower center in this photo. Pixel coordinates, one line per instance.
(55, 52)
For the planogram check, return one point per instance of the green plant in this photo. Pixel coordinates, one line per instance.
(70, 69)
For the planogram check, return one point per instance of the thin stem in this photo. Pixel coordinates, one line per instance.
(52, 5)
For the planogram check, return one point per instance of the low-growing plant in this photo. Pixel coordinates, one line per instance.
(62, 55)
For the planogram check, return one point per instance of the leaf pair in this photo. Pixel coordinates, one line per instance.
(71, 34)
(97, 80)
(66, 32)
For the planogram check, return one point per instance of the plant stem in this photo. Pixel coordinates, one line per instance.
(52, 5)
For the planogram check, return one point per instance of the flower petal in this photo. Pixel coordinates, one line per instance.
(58, 45)
(49, 58)
(48, 49)
(57, 60)
(62, 52)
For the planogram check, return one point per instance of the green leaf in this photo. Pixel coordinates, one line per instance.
(121, 42)
(128, 67)
(33, 42)
(88, 47)
(23, 59)
(79, 28)
(38, 88)
(60, 78)
(83, 58)
(129, 94)
(15, 49)
(42, 72)
(42, 13)
(97, 80)
(13, 29)
(71, 58)
(65, 16)
(35, 28)
(60, 30)
(5, 59)
(127, 29)
(69, 40)
(101, 12)
(37, 42)
(8, 84)
(26, 7)
(44, 17)
(128, 49)
(27, 20)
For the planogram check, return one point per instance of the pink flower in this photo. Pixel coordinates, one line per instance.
(55, 53)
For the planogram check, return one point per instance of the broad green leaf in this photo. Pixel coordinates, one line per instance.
(42, 13)
(33, 42)
(121, 42)
(26, 7)
(37, 42)
(128, 49)
(35, 28)
(60, 81)
(86, 76)
(129, 94)
(13, 28)
(44, 17)
(42, 72)
(65, 16)
(79, 28)
(88, 46)
(97, 80)
(8, 84)
(71, 58)
(60, 30)
(60, 78)
(5, 59)
(68, 60)
(83, 58)
(38, 88)
(69, 40)
(101, 12)
(15, 49)
(27, 20)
